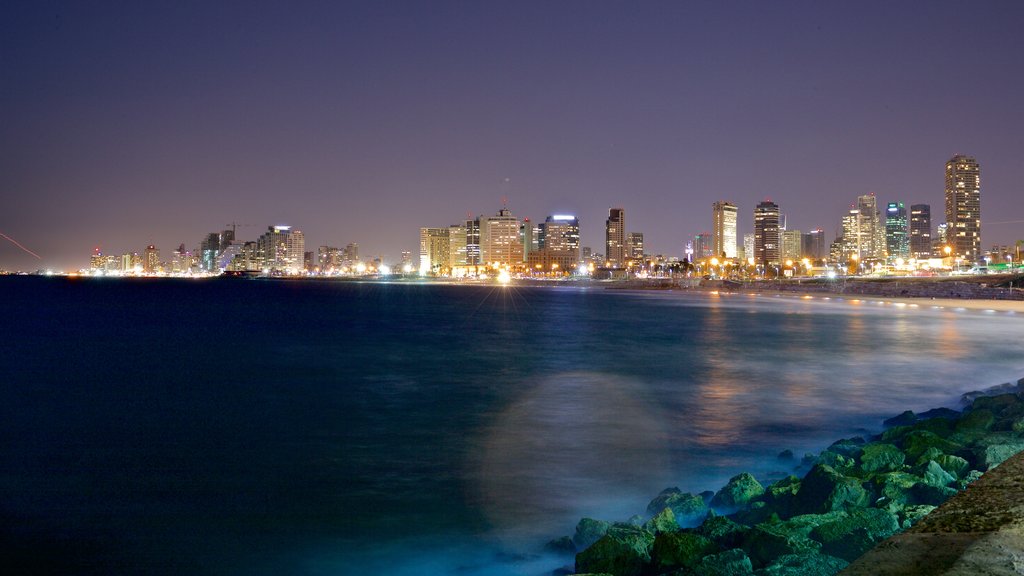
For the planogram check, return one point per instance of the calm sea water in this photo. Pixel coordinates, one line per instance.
(317, 428)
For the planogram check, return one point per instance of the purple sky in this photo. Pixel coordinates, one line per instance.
(137, 122)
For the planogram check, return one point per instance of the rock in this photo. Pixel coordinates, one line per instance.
(995, 448)
(916, 442)
(934, 475)
(723, 531)
(623, 552)
(687, 508)
(941, 427)
(755, 513)
(809, 564)
(996, 404)
(563, 545)
(766, 542)
(836, 461)
(589, 531)
(849, 537)
(976, 420)
(968, 478)
(946, 413)
(680, 549)
(905, 419)
(896, 433)
(825, 490)
(923, 493)
(664, 521)
(729, 563)
(740, 490)
(786, 455)
(928, 455)
(896, 487)
(635, 520)
(955, 465)
(849, 447)
(912, 514)
(881, 457)
(781, 495)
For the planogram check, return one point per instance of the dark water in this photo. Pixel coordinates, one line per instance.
(266, 427)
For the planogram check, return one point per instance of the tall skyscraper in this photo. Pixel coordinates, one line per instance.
(281, 249)
(499, 239)
(766, 234)
(863, 233)
(812, 244)
(963, 207)
(151, 262)
(561, 233)
(724, 215)
(456, 245)
(615, 237)
(920, 231)
(703, 246)
(635, 245)
(896, 237)
(792, 245)
(748, 245)
(435, 244)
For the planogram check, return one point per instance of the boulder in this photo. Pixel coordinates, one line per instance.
(825, 490)
(729, 563)
(664, 521)
(995, 448)
(679, 549)
(589, 531)
(976, 420)
(563, 545)
(922, 493)
(849, 447)
(896, 487)
(740, 490)
(955, 465)
(850, 537)
(881, 457)
(808, 564)
(913, 514)
(935, 475)
(915, 443)
(905, 419)
(766, 542)
(687, 508)
(781, 495)
(623, 552)
(722, 531)
(996, 404)
(836, 461)
(947, 413)
(969, 477)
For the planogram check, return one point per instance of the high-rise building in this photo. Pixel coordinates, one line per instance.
(560, 232)
(963, 207)
(863, 233)
(529, 235)
(499, 239)
(635, 246)
(724, 215)
(766, 234)
(748, 246)
(281, 249)
(812, 244)
(434, 246)
(897, 243)
(456, 245)
(473, 242)
(615, 237)
(151, 260)
(703, 246)
(921, 231)
(792, 245)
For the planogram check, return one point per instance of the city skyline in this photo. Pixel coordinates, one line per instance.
(130, 126)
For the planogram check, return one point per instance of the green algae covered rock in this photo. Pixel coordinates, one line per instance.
(917, 442)
(809, 564)
(622, 551)
(589, 531)
(881, 457)
(680, 549)
(955, 465)
(664, 521)
(976, 420)
(741, 489)
(766, 542)
(722, 531)
(825, 490)
(729, 563)
(687, 508)
(935, 475)
(781, 496)
(995, 448)
(922, 493)
(858, 532)
(912, 514)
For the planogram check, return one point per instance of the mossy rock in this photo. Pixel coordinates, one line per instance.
(913, 514)
(781, 496)
(837, 461)
(922, 493)
(664, 521)
(810, 564)
(976, 420)
(936, 475)
(896, 433)
(917, 442)
(722, 531)
(941, 427)
(849, 447)
(588, 531)
(739, 491)
(622, 552)
(687, 508)
(766, 542)
(729, 563)
(881, 457)
(680, 549)
(896, 487)
(825, 490)
(998, 404)
(850, 537)
(996, 448)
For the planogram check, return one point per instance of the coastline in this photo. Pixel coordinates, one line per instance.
(853, 495)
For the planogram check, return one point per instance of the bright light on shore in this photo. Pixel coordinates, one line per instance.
(504, 277)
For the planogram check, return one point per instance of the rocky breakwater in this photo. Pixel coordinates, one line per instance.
(853, 495)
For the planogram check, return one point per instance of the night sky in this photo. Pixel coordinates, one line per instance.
(128, 123)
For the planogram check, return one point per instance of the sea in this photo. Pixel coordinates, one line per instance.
(258, 427)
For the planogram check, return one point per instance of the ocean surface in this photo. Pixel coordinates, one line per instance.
(333, 428)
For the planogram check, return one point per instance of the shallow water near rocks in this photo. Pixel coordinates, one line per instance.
(277, 427)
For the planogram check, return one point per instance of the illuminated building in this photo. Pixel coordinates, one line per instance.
(724, 228)
(766, 233)
(897, 244)
(963, 207)
(635, 245)
(328, 258)
(921, 231)
(281, 249)
(97, 260)
(350, 255)
(748, 245)
(812, 244)
(863, 233)
(499, 239)
(456, 246)
(473, 242)
(209, 250)
(703, 246)
(792, 245)
(561, 233)
(615, 237)
(434, 246)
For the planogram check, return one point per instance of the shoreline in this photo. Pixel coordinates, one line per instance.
(853, 495)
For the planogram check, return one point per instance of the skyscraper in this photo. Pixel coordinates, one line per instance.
(766, 234)
(963, 206)
(896, 237)
(561, 233)
(615, 237)
(920, 231)
(812, 244)
(635, 243)
(724, 214)
(281, 249)
(500, 242)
